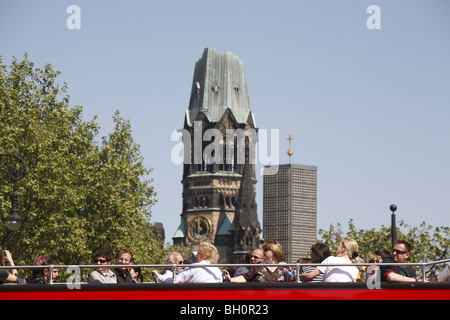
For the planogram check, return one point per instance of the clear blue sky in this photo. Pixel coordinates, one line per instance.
(369, 108)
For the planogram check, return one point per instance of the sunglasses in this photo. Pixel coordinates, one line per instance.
(256, 257)
(100, 260)
(399, 252)
(267, 249)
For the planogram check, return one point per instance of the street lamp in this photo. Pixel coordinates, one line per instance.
(13, 221)
(393, 207)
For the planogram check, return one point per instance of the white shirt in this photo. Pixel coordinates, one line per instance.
(337, 273)
(209, 274)
(167, 276)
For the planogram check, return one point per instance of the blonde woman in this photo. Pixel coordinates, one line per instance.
(207, 254)
(373, 258)
(346, 253)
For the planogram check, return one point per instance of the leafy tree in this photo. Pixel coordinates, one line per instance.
(80, 195)
(428, 243)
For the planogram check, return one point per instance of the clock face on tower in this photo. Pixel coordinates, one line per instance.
(199, 229)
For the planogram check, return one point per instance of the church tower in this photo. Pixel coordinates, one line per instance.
(219, 139)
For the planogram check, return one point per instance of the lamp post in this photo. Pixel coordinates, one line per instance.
(13, 221)
(393, 207)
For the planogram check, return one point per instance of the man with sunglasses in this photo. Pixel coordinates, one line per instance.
(393, 273)
(103, 274)
(257, 256)
(172, 258)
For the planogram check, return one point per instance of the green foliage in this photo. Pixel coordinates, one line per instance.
(428, 243)
(80, 195)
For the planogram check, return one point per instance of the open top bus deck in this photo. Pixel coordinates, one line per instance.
(228, 291)
(224, 300)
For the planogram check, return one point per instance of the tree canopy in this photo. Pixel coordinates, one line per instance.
(81, 194)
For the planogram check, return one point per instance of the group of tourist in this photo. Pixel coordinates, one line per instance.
(42, 274)
(269, 266)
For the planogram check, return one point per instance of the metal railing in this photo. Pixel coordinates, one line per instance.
(173, 267)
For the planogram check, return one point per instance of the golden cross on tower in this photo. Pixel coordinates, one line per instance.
(290, 152)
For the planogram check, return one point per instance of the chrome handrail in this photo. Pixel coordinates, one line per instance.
(297, 266)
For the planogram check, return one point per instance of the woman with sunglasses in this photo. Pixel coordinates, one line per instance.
(372, 258)
(273, 254)
(103, 274)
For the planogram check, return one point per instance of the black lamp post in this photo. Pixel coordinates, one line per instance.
(393, 207)
(13, 221)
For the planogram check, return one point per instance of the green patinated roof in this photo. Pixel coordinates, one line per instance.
(181, 231)
(225, 228)
(219, 84)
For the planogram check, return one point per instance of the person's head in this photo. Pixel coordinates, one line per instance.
(38, 262)
(319, 252)
(102, 258)
(124, 256)
(273, 252)
(175, 258)
(373, 258)
(136, 274)
(347, 248)
(383, 253)
(208, 252)
(400, 251)
(45, 272)
(257, 256)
